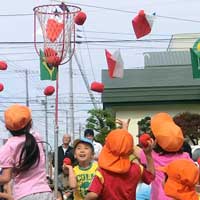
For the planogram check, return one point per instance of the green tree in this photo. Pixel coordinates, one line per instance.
(190, 125)
(144, 126)
(102, 122)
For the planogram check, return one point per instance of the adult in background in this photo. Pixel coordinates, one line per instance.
(64, 151)
(89, 134)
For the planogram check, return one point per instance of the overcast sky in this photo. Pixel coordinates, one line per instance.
(106, 20)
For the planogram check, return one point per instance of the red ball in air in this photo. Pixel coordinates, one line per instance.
(3, 65)
(48, 91)
(97, 87)
(80, 18)
(67, 161)
(143, 139)
(1, 87)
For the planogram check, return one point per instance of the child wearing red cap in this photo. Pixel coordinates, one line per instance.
(23, 158)
(117, 177)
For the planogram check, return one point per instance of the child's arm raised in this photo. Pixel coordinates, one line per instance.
(72, 177)
(150, 163)
(6, 175)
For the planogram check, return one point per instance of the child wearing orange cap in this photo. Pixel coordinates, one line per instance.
(23, 158)
(117, 177)
(168, 147)
(181, 177)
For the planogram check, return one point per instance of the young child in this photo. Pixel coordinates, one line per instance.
(181, 177)
(67, 180)
(86, 168)
(117, 177)
(22, 157)
(168, 144)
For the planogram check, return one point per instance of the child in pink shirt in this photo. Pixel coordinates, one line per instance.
(168, 144)
(22, 157)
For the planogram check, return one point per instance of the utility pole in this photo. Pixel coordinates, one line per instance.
(27, 91)
(67, 121)
(71, 99)
(80, 128)
(26, 81)
(46, 135)
(86, 82)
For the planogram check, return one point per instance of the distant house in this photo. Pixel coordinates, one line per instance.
(164, 85)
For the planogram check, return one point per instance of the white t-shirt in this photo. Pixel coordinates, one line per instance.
(97, 148)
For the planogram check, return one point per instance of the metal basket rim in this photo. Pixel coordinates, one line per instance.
(36, 9)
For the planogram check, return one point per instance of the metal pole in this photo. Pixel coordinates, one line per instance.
(80, 127)
(66, 121)
(27, 92)
(56, 141)
(71, 98)
(86, 82)
(55, 161)
(46, 136)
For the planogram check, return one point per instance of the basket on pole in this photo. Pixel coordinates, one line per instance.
(58, 29)
(57, 25)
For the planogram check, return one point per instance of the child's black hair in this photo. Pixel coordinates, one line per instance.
(30, 153)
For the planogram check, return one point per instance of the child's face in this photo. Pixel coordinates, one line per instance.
(83, 152)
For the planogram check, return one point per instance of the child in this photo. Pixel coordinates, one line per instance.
(168, 145)
(181, 177)
(85, 170)
(67, 181)
(22, 157)
(117, 177)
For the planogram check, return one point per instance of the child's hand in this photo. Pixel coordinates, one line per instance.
(148, 149)
(67, 167)
(123, 124)
(143, 139)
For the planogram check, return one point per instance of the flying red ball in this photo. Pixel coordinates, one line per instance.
(97, 87)
(1, 87)
(48, 91)
(80, 18)
(3, 65)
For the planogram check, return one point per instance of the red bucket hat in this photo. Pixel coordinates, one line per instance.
(168, 135)
(17, 117)
(115, 153)
(183, 175)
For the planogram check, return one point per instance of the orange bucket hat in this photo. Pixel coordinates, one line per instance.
(183, 175)
(115, 153)
(17, 117)
(168, 135)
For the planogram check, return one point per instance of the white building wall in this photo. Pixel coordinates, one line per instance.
(136, 113)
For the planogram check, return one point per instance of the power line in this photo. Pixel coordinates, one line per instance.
(134, 12)
(109, 9)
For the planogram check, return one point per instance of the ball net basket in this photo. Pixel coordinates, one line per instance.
(58, 29)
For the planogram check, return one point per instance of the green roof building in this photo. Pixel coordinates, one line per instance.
(164, 85)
